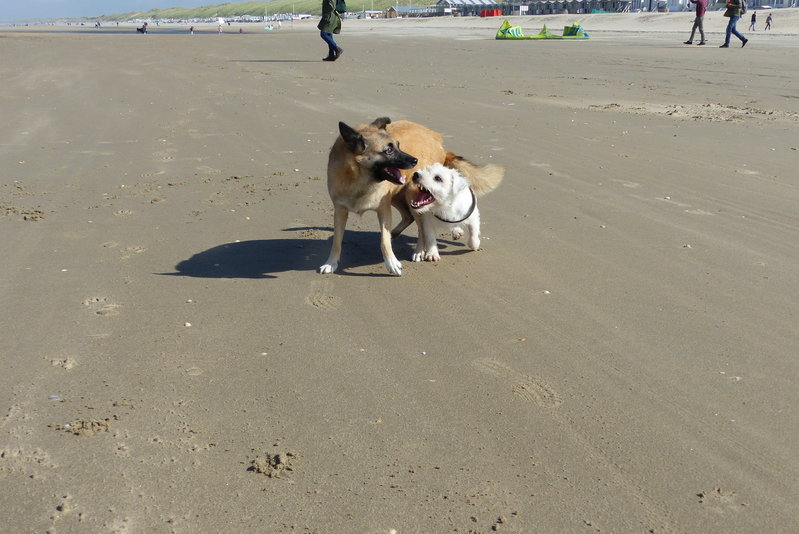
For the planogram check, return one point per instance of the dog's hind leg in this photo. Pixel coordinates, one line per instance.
(473, 231)
(407, 218)
(339, 225)
(473, 239)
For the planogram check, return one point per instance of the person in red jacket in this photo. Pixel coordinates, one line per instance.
(701, 7)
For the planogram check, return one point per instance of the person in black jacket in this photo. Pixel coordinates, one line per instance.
(330, 24)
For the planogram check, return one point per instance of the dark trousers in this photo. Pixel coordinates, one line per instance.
(331, 44)
(698, 25)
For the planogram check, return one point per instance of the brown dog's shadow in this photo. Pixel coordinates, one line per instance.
(267, 258)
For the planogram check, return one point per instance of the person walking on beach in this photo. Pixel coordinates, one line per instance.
(733, 13)
(328, 25)
(754, 20)
(768, 22)
(701, 7)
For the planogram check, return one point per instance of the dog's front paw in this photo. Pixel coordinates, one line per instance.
(394, 266)
(417, 256)
(432, 255)
(457, 233)
(328, 268)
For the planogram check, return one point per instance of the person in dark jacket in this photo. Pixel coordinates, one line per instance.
(733, 13)
(330, 24)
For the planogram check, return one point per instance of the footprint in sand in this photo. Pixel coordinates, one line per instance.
(102, 306)
(66, 363)
(720, 500)
(205, 169)
(151, 174)
(25, 461)
(165, 156)
(628, 185)
(128, 252)
(320, 296)
(526, 387)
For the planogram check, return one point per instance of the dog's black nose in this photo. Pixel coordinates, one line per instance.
(415, 177)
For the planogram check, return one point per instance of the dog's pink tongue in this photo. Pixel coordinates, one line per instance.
(396, 174)
(422, 199)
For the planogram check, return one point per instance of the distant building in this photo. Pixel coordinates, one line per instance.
(466, 7)
(413, 11)
(548, 7)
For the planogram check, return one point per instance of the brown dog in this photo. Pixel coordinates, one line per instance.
(369, 166)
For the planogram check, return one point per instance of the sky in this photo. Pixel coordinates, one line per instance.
(11, 10)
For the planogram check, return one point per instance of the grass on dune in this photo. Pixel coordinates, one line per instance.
(273, 7)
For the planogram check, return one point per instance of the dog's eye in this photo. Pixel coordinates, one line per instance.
(389, 150)
(437, 178)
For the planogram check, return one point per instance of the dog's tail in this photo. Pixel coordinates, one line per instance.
(483, 178)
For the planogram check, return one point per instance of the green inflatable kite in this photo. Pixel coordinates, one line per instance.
(506, 31)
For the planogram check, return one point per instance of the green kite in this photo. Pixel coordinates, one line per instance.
(506, 31)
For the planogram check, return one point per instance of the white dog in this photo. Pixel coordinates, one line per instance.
(445, 201)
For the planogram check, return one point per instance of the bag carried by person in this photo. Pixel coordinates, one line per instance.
(341, 6)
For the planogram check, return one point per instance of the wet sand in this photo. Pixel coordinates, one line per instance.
(619, 357)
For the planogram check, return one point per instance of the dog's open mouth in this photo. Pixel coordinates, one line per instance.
(422, 199)
(394, 175)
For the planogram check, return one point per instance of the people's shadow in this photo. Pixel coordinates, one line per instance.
(274, 60)
(265, 258)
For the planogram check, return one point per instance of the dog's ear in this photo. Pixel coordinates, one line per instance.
(381, 122)
(459, 183)
(352, 139)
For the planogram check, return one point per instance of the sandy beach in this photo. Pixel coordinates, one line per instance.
(620, 357)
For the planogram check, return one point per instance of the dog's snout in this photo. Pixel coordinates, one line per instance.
(414, 161)
(415, 177)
